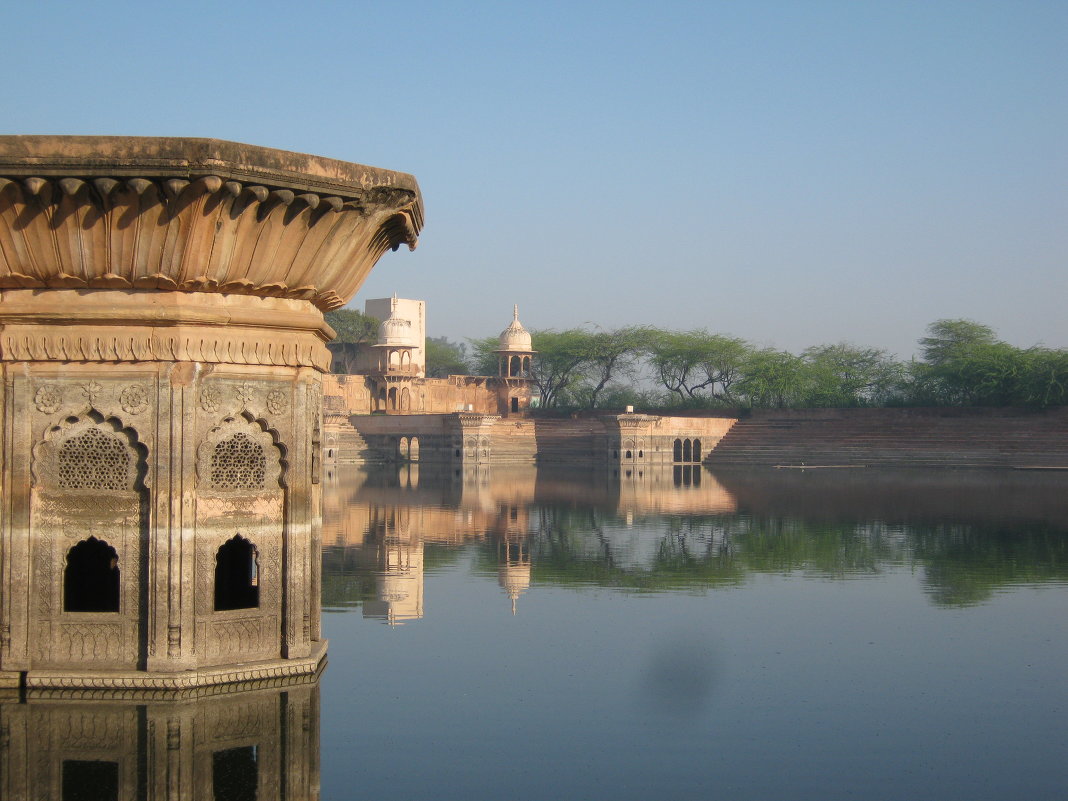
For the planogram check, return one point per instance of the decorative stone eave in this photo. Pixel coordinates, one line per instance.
(196, 215)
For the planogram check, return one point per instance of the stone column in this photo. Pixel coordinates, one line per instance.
(162, 346)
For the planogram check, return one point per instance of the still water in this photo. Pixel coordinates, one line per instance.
(523, 634)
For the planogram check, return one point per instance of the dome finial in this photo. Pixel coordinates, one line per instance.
(515, 337)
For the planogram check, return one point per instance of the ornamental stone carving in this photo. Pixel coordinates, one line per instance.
(277, 401)
(238, 456)
(210, 398)
(134, 399)
(48, 399)
(195, 215)
(245, 394)
(158, 299)
(87, 454)
(91, 390)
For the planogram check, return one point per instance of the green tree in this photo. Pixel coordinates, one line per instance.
(847, 375)
(611, 354)
(483, 359)
(559, 362)
(445, 358)
(1045, 383)
(948, 340)
(354, 330)
(695, 364)
(773, 379)
(677, 358)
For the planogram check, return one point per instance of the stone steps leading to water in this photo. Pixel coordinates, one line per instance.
(897, 437)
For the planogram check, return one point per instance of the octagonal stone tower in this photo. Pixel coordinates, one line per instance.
(161, 345)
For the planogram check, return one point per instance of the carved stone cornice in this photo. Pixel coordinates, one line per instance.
(195, 215)
(116, 326)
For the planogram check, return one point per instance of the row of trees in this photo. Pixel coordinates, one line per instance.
(961, 363)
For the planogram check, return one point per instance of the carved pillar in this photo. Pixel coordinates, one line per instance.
(162, 344)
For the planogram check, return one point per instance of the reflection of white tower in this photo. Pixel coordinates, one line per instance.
(399, 583)
(513, 568)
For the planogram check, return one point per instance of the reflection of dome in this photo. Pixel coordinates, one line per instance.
(394, 330)
(515, 337)
(514, 578)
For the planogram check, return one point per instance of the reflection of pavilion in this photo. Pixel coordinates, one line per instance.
(513, 566)
(249, 742)
(383, 521)
(399, 570)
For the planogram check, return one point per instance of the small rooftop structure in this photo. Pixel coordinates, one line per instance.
(515, 338)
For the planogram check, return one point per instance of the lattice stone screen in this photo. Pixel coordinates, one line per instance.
(238, 463)
(93, 460)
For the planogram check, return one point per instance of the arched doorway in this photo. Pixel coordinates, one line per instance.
(91, 578)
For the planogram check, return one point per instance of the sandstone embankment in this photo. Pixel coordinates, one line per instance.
(928, 437)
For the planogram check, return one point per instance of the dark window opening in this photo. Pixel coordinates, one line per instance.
(91, 578)
(237, 581)
(687, 454)
(628, 455)
(515, 404)
(90, 780)
(697, 450)
(641, 454)
(235, 774)
(677, 455)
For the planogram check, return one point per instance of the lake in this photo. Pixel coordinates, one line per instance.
(530, 634)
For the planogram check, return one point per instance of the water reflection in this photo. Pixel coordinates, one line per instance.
(228, 743)
(971, 534)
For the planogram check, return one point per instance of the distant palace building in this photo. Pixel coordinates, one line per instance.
(390, 375)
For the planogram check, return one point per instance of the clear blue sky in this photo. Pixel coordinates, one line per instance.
(790, 172)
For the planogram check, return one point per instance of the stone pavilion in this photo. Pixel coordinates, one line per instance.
(162, 346)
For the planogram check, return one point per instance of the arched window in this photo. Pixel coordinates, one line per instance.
(526, 366)
(406, 359)
(392, 399)
(238, 463)
(235, 773)
(697, 450)
(93, 460)
(89, 778)
(91, 578)
(628, 456)
(687, 454)
(514, 366)
(237, 579)
(394, 359)
(405, 400)
(677, 456)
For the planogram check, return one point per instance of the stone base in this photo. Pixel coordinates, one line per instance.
(116, 683)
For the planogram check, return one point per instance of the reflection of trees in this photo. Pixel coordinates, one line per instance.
(962, 564)
(968, 564)
(583, 544)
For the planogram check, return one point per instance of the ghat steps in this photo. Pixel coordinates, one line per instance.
(898, 437)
